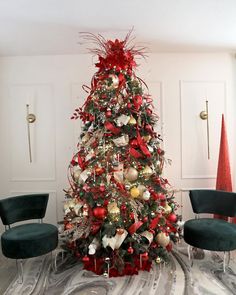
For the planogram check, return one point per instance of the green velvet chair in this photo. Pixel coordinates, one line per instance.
(209, 233)
(29, 239)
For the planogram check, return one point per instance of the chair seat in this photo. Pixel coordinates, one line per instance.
(29, 240)
(210, 234)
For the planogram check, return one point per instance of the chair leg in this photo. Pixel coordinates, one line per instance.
(19, 266)
(190, 255)
(224, 260)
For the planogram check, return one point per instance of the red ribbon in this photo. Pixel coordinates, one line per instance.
(109, 126)
(133, 152)
(137, 101)
(134, 227)
(143, 146)
(154, 223)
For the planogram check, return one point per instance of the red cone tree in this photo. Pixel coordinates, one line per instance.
(119, 210)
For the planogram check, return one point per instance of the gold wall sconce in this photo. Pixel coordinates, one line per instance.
(204, 115)
(30, 118)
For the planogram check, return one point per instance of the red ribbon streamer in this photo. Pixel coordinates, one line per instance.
(143, 146)
(154, 223)
(109, 126)
(134, 227)
(135, 153)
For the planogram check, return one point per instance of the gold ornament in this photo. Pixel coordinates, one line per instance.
(113, 211)
(147, 171)
(76, 174)
(134, 192)
(167, 209)
(85, 138)
(147, 138)
(131, 174)
(162, 239)
(142, 189)
(158, 260)
(132, 121)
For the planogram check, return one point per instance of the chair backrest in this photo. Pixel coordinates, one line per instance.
(25, 207)
(213, 201)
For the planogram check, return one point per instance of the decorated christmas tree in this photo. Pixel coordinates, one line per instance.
(119, 210)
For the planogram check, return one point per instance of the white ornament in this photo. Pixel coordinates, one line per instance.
(121, 141)
(90, 155)
(123, 119)
(83, 176)
(150, 148)
(163, 239)
(146, 196)
(114, 242)
(93, 246)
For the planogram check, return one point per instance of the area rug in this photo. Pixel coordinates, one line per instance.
(205, 277)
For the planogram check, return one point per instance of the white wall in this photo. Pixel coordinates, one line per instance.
(167, 75)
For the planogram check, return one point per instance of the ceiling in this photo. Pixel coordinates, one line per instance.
(39, 27)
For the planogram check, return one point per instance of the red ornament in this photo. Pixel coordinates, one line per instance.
(149, 111)
(99, 170)
(106, 202)
(144, 256)
(131, 215)
(99, 212)
(172, 217)
(108, 113)
(130, 250)
(69, 226)
(159, 151)
(169, 247)
(85, 258)
(95, 227)
(129, 105)
(148, 128)
(145, 219)
(102, 187)
(134, 143)
(123, 207)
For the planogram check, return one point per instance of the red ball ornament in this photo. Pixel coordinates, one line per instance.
(149, 111)
(144, 256)
(102, 187)
(130, 250)
(159, 151)
(129, 105)
(148, 128)
(131, 215)
(145, 219)
(108, 113)
(169, 247)
(123, 207)
(99, 212)
(106, 202)
(172, 217)
(85, 258)
(134, 143)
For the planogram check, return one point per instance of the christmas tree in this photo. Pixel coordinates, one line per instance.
(119, 210)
